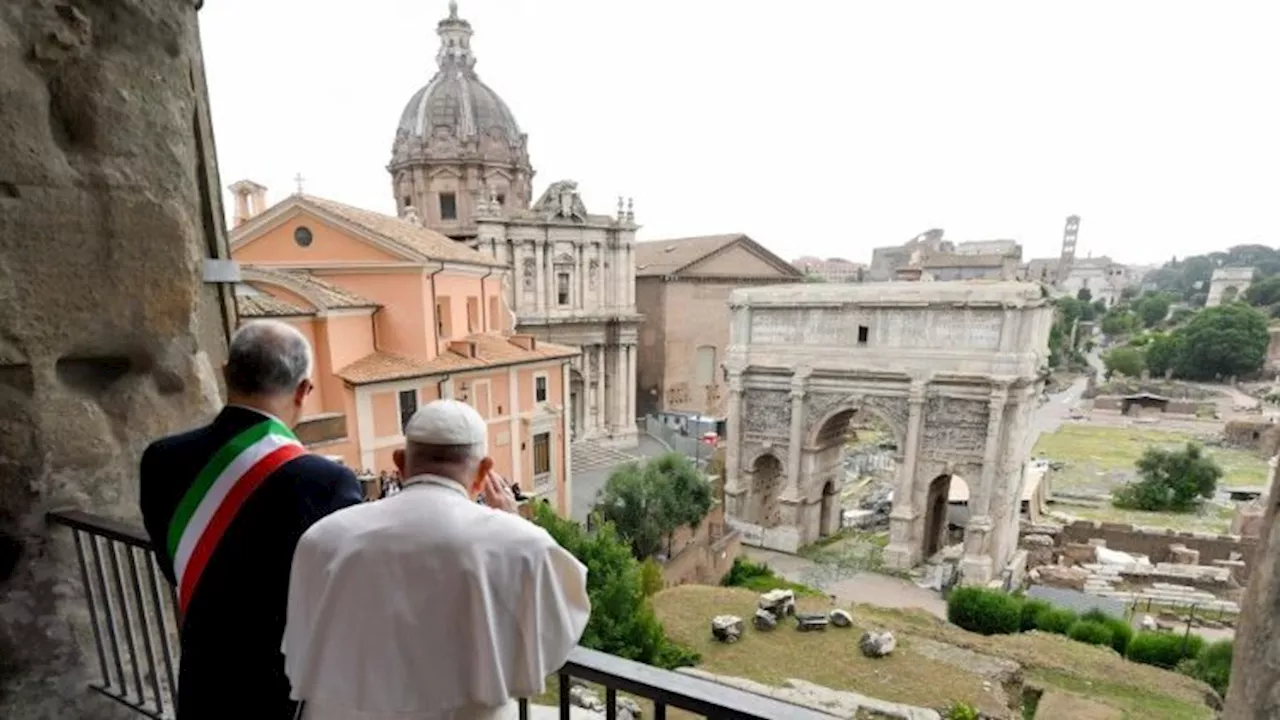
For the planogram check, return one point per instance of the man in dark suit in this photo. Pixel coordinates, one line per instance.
(224, 505)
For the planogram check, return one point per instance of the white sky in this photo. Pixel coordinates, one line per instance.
(823, 127)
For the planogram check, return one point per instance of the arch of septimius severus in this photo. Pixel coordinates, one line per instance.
(952, 368)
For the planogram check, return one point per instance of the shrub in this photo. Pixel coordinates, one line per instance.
(987, 612)
(1212, 665)
(761, 578)
(1164, 650)
(1121, 630)
(961, 711)
(1056, 620)
(1030, 610)
(1091, 632)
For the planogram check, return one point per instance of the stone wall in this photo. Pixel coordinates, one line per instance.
(1262, 436)
(1155, 543)
(109, 337)
(1174, 407)
(704, 556)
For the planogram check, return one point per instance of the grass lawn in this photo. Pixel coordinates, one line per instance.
(832, 658)
(1098, 458)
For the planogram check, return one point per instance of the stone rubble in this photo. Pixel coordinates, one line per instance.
(877, 644)
(1103, 579)
(780, 602)
(583, 697)
(726, 628)
(841, 618)
(764, 620)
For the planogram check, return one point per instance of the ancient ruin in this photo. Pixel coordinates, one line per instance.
(952, 368)
(112, 320)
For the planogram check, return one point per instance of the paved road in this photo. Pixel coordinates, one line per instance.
(1049, 417)
(591, 470)
(858, 587)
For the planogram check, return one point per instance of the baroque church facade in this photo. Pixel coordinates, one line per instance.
(460, 165)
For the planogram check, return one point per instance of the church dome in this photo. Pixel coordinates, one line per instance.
(463, 105)
(455, 104)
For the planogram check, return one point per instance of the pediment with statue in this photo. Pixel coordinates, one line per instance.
(561, 201)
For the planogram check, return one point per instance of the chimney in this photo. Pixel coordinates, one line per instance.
(465, 348)
(527, 342)
(251, 199)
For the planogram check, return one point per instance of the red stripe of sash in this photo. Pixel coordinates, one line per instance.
(225, 513)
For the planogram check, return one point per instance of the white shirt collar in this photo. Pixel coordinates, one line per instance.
(263, 413)
(429, 479)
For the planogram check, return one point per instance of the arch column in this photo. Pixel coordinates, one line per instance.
(733, 487)
(977, 566)
(906, 531)
(799, 384)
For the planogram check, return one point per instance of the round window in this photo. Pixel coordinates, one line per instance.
(302, 236)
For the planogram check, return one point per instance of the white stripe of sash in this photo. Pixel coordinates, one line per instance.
(218, 492)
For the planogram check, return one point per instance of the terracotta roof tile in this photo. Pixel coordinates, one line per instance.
(263, 305)
(413, 238)
(326, 294)
(492, 350)
(664, 257)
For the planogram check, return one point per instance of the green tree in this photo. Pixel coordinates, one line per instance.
(1118, 323)
(622, 621)
(1126, 361)
(1264, 292)
(1152, 309)
(1162, 352)
(1173, 480)
(649, 501)
(1222, 341)
(1084, 294)
(1181, 315)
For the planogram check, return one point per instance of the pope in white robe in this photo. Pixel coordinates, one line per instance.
(427, 605)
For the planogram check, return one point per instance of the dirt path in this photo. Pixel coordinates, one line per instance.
(857, 587)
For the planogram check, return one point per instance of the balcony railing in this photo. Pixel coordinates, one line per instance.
(131, 611)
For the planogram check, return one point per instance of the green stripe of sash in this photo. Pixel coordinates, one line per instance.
(224, 457)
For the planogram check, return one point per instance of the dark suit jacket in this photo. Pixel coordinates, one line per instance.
(231, 665)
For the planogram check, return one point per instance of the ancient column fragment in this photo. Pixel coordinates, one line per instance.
(109, 337)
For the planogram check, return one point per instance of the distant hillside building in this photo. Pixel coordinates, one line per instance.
(1227, 284)
(831, 269)
(1104, 278)
(928, 254)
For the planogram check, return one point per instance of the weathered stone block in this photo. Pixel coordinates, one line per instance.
(108, 335)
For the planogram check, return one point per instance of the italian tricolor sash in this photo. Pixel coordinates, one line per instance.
(220, 490)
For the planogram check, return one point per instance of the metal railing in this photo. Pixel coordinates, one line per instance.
(131, 611)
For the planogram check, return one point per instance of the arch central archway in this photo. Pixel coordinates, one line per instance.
(848, 441)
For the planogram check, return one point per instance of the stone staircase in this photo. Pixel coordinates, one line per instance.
(589, 455)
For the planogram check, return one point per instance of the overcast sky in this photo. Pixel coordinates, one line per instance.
(823, 127)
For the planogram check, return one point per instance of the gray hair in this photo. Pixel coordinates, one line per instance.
(267, 357)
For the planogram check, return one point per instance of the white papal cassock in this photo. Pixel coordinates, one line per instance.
(427, 606)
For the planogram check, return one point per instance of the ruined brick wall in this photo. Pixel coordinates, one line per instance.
(1155, 543)
(108, 336)
(703, 555)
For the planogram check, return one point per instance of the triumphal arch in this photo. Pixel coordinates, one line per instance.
(952, 368)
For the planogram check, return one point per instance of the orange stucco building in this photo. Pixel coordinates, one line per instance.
(400, 315)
